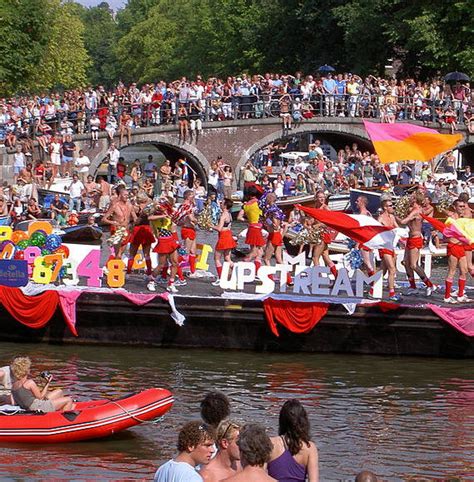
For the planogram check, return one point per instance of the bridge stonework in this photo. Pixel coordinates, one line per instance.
(236, 141)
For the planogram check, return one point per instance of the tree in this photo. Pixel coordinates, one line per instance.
(24, 33)
(100, 39)
(65, 59)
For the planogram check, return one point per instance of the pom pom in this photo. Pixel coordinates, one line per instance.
(402, 206)
(38, 238)
(53, 242)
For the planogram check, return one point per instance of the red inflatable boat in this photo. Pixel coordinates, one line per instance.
(89, 420)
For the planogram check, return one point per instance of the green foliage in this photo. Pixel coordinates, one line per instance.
(100, 39)
(42, 46)
(24, 38)
(49, 43)
(65, 59)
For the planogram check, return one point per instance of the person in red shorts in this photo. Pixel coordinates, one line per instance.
(361, 203)
(414, 245)
(274, 223)
(321, 249)
(456, 260)
(167, 246)
(119, 215)
(387, 218)
(225, 242)
(187, 221)
(252, 213)
(142, 235)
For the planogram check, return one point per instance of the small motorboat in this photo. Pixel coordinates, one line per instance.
(92, 419)
(82, 234)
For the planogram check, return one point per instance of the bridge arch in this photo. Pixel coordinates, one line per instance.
(169, 145)
(331, 132)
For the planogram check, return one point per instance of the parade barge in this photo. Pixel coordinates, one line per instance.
(214, 321)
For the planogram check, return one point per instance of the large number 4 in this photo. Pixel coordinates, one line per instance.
(90, 269)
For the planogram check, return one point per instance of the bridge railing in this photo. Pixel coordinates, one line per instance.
(217, 108)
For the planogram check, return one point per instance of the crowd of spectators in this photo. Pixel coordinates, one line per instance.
(353, 168)
(55, 115)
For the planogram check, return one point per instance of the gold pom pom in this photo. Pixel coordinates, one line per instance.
(402, 206)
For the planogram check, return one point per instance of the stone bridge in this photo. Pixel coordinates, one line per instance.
(235, 141)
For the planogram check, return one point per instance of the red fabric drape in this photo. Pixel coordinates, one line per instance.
(386, 306)
(32, 311)
(298, 317)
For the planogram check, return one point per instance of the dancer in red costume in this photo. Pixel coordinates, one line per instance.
(225, 242)
(187, 221)
(142, 235)
(387, 218)
(414, 245)
(321, 250)
(252, 213)
(456, 260)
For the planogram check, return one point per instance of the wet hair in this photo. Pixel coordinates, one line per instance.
(228, 203)
(215, 407)
(366, 476)
(194, 433)
(255, 445)
(294, 425)
(20, 366)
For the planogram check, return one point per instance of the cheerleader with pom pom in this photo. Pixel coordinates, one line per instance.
(321, 250)
(387, 218)
(167, 246)
(225, 242)
(251, 212)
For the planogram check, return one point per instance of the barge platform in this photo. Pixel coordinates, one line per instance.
(214, 320)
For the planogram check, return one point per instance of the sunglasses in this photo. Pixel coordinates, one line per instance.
(229, 427)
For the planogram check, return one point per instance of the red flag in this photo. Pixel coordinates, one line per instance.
(362, 229)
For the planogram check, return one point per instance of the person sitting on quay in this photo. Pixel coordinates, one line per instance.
(195, 447)
(27, 394)
(255, 448)
(226, 463)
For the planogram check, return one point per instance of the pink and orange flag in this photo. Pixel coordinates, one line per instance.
(408, 142)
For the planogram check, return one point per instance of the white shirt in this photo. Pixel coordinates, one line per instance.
(173, 471)
(75, 189)
(114, 157)
(83, 163)
(393, 168)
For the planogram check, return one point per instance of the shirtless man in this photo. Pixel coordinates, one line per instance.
(120, 214)
(125, 122)
(321, 249)
(225, 463)
(456, 260)
(187, 221)
(361, 203)
(387, 218)
(413, 247)
(105, 190)
(255, 448)
(165, 173)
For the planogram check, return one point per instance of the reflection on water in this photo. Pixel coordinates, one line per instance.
(400, 417)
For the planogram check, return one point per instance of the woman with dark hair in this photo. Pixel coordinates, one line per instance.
(294, 457)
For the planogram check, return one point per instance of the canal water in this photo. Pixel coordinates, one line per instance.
(403, 418)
